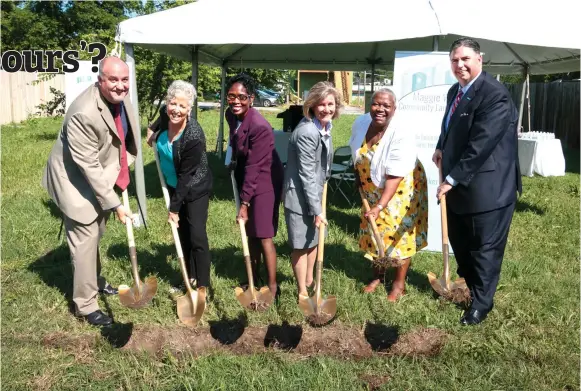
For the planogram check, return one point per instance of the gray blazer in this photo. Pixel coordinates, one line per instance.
(306, 169)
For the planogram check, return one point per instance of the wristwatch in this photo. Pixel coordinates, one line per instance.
(379, 206)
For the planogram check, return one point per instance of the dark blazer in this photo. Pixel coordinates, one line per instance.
(479, 148)
(258, 168)
(190, 162)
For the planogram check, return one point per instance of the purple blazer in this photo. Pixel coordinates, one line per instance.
(258, 166)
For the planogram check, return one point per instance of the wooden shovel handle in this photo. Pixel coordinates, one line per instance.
(443, 212)
(131, 240)
(321, 246)
(174, 228)
(445, 241)
(246, 252)
(373, 224)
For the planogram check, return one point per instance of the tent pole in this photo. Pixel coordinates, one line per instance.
(522, 100)
(195, 79)
(372, 76)
(359, 88)
(436, 43)
(529, 100)
(139, 175)
(220, 141)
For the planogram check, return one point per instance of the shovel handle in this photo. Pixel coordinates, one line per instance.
(131, 240)
(246, 252)
(321, 248)
(174, 228)
(373, 224)
(235, 191)
(445, 241)
(161, 178)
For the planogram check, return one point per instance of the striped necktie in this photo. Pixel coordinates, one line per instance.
(458, 98)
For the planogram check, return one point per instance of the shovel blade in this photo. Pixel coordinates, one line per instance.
(138, 298)
(263, 296)
(190, 307)
(457, 291)
(318, 313)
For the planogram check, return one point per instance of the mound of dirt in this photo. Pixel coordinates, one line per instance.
(334, 341)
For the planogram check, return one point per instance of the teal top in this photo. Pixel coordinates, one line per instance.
(165, 152)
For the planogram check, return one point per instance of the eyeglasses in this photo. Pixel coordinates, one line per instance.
(241, 97)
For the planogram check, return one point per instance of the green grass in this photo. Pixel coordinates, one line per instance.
(530, 341)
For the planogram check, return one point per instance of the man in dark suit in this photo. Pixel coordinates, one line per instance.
(477, 150)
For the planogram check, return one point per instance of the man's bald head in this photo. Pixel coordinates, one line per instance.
(108, 62)
(113, 79)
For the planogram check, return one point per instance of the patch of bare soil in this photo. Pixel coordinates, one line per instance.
(335, 341)
(301, 342)
(420, 342)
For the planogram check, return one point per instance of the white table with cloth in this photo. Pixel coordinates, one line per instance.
(543, 157)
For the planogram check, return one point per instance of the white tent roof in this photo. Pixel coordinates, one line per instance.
(317, 34)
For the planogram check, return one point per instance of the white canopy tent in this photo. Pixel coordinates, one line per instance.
(516, 36)
(287, 35)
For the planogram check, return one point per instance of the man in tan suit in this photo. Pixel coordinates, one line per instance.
(88, 161)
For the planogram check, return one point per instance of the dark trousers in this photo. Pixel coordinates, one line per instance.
(478, 241)
(194, 239)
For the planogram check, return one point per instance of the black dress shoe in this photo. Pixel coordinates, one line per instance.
(473, 317)
(109, 290)
(98, 318)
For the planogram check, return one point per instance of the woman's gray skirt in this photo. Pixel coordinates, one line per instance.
(302, 233)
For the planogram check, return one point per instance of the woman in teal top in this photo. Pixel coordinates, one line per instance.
(165, 151)
(181, 145)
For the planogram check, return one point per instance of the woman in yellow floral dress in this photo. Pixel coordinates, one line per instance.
(394, 183)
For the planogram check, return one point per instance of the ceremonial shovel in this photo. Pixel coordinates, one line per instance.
(319, 311)
(455, 291)
(250, 298)
(140, 294)
(381, 261)
(190, 306)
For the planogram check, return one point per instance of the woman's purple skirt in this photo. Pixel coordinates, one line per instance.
(263, 216)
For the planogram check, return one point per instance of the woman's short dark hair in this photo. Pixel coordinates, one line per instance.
(246, 80)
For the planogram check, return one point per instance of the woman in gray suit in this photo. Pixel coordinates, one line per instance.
(310, 155)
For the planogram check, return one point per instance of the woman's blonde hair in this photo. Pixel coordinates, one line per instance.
(319, 92)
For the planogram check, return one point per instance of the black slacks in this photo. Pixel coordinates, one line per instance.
(194, 238)
(478, 241)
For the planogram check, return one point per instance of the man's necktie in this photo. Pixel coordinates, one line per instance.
(123, 178)
(458, 98)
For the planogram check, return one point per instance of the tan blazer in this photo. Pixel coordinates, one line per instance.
(85, 161)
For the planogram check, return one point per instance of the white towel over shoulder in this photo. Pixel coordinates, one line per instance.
(395, 155)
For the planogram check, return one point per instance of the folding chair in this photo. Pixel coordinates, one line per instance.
(341, 175)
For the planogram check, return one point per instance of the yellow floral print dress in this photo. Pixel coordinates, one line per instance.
(403, 223)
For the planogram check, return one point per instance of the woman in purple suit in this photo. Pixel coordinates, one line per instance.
(258, 171)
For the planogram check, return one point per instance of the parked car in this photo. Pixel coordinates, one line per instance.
(262, 98)
(271, 92)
